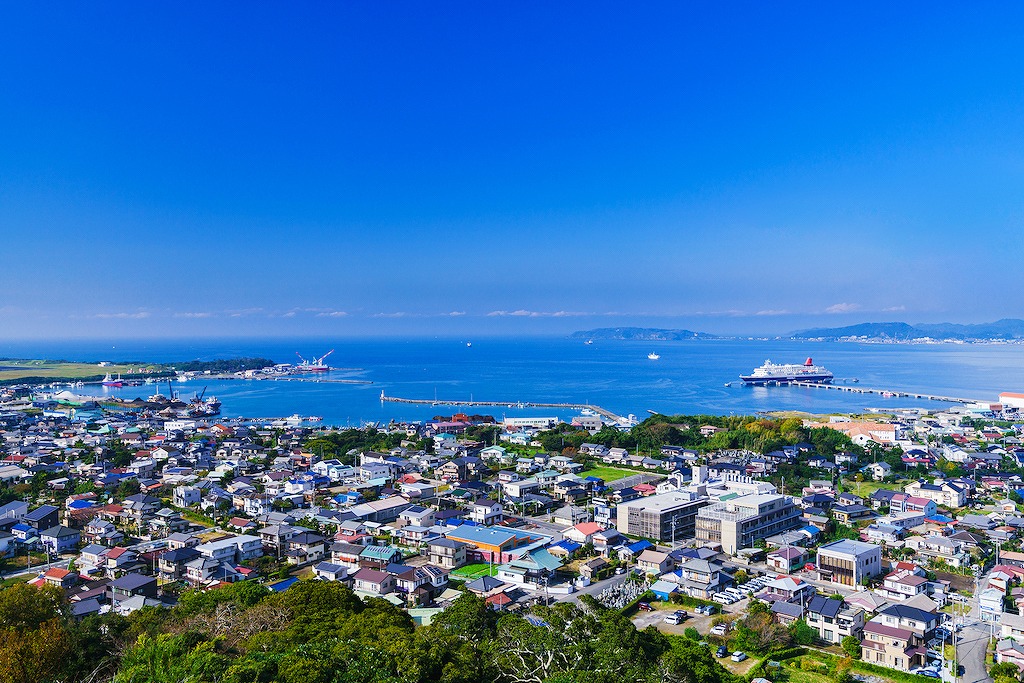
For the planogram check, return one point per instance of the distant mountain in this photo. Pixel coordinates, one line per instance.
(1008, 328)
(640, 334)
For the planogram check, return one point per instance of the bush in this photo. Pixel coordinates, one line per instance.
(691, 633)
(851, 646)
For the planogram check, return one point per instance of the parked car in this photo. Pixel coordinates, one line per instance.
(644, 606)
(722, 651)
(620, 570)
(676, 617)
(719, 630)
(739, 656)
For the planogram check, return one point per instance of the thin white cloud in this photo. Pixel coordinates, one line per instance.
(894, 309)
(843, 308)
(523, 313)
(396, 314)
(456, 314)
(773, 312)
(245, 312)
(138, 315)
(332, 314)
(193, 314)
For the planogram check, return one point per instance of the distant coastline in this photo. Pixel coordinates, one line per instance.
(1005, 331)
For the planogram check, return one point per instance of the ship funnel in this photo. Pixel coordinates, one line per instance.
(808, 362)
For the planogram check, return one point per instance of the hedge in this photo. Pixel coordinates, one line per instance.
(868, 667)
(629, 609)
(759, 669)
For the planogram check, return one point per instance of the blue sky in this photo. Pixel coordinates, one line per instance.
(517, 168)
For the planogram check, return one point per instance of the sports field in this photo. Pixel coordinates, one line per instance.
(608, 474)
(474, 571)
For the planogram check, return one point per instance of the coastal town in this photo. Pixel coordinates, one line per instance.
(886, 545)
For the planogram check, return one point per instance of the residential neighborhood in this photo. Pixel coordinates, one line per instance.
(898, 565)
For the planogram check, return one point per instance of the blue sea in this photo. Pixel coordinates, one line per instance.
(689, 377)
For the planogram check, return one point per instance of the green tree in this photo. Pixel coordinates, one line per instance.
(851, 645)
(801, 633)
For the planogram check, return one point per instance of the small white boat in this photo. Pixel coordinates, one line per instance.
(653, 356)
(468, 344)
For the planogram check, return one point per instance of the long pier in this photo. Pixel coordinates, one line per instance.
(507, 404)
(886, 393)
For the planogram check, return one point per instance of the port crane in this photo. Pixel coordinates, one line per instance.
(315, 365)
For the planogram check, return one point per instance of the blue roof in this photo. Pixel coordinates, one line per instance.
(812, 530)
(639, 546)
(941, 519)
(80, 504)
(568, 545)
(283, 585)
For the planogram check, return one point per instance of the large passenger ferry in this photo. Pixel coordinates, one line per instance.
(773, 373)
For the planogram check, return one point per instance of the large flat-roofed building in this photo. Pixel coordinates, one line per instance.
(849, 562)
(738, 522)
(663, 517)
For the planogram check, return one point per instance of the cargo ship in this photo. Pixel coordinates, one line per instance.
(773, 373)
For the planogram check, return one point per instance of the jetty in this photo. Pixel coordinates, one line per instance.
(886, 393)
(607, 414)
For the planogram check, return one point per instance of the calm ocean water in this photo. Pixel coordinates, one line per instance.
(688, 378)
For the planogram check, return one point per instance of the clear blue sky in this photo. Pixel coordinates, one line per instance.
(477, 168)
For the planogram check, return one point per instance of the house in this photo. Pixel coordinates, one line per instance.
(940, 548)
(700, 578)
(591, 569)
(892, 647)
(379, 556)
(331, 572)
(131, 585)
(485, 511)
(373, 582)
(787, 589)
(173, 563)
(583, 533)
(1009, 650)
(833, 620)
(447, 553)
(786, 560)
(878, 470)
(922, 622)
(60, 578)
(654, 562)
(43, 517)
(60, 539)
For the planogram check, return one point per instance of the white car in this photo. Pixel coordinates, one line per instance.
(719, 630)
(739, 656)
(722, 598)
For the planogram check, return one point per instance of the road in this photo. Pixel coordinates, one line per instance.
(34, 570)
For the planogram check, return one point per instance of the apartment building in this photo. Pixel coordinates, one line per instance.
(737, 523)
(941, 491)
(849, 562)
(663, 517)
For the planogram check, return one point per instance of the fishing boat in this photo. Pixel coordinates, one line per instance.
(109, 381)
(653, 356)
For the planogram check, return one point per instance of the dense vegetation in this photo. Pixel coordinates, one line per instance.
(318, 632)
(760, 435)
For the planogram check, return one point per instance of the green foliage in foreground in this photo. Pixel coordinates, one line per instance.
(320, 632)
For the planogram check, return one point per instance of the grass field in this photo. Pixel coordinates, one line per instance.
(866, 488)
(18, 369)
(608, 474)
(474, 571)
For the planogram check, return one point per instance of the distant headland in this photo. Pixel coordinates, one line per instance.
(1005, 330)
